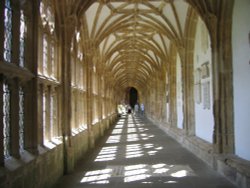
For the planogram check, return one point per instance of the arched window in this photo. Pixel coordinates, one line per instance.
(47, 69)
(78, 93)
(47, 63)
(7, 31)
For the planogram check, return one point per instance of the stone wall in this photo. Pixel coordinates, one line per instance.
(33, 171)
(44, 170)
(235, 169)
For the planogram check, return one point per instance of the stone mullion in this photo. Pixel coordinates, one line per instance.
(31, 11)
(49, 64)
(1, 122)
(40, 49)
(76, 101)
(72, 107)
(48, 108)
(55, 113)
(40, 114)
(14, 121)
(31, 138)
(52, 108)
(29, 37)
(80, 114)
(76, 109)
(85, 108)
(15, 34)
(66, 86)
(99, 89)
(59, 112)
(90, 102)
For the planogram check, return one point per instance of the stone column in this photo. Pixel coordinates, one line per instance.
(65, 36)
(172, 92)
(99, 106)
(222, 83)
(188, 90)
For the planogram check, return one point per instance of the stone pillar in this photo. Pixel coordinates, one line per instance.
(188, 90)
(99, 89)
(65, 36)
(172, 91)
(189, 94)
(223, 137)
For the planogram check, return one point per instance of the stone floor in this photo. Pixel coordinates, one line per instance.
(138, 154)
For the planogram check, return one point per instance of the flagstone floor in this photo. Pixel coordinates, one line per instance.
(137, 154)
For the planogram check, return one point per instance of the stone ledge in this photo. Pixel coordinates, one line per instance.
(242, 166)
(236, 169)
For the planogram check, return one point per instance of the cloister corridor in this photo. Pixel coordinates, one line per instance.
(135, 153)
(73, 74)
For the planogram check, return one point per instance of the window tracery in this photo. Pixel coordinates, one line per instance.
(47, 64)
(7, 31)
(47, 15)
(48, 71)
(22, 39)
(6, 120)
(78, 82)
(21, 119)
(45, 55)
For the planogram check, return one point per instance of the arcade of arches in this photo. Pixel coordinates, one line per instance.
(65, 65)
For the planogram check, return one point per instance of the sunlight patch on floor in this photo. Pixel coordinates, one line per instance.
(107, 154)
(138, 172)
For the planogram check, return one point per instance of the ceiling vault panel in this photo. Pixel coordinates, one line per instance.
(131, 37)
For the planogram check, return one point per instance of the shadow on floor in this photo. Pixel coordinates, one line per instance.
(138, 154)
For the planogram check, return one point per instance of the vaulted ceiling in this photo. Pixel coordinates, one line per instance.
(133, 37)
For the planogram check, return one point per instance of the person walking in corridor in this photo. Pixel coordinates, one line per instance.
(142, 109)
(136, 109)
